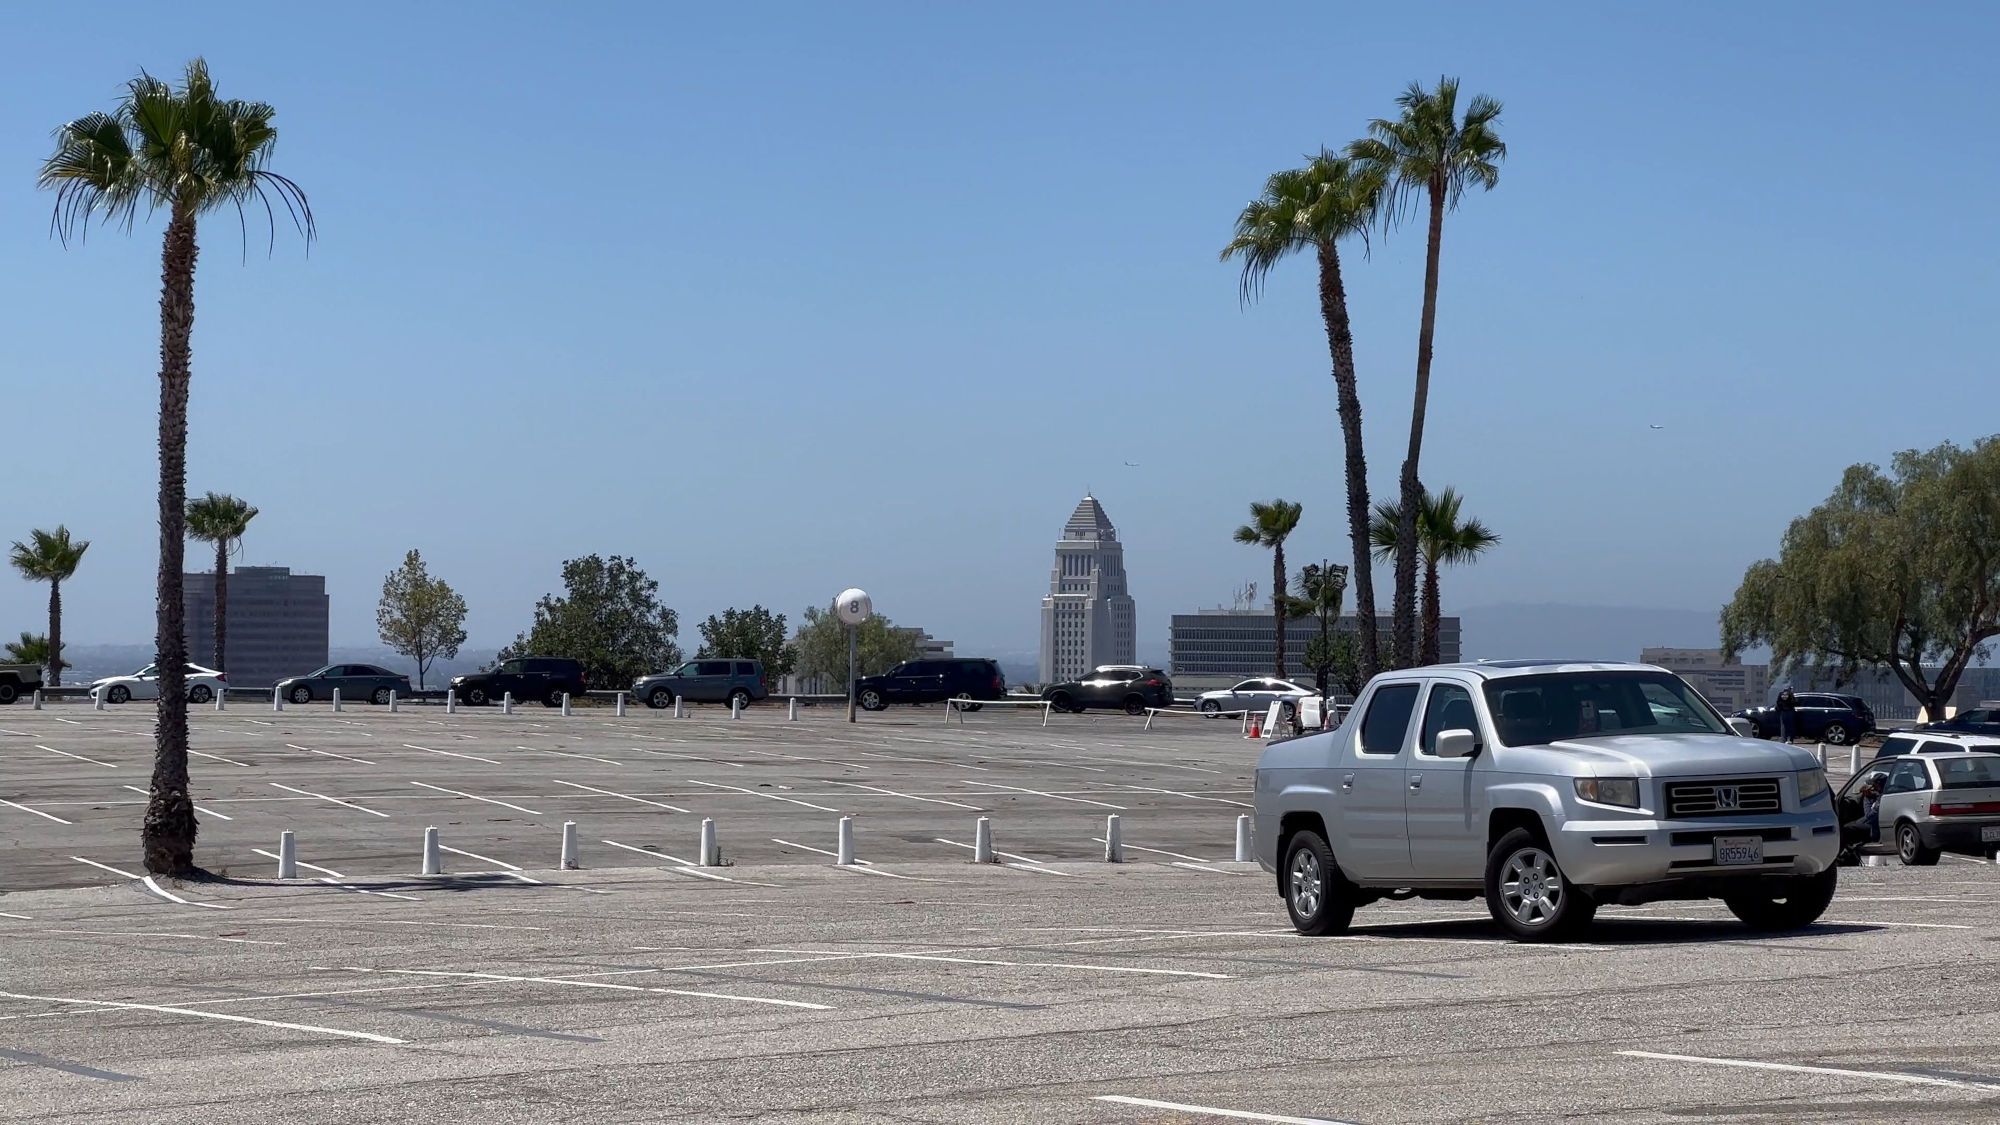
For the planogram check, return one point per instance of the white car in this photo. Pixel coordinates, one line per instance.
(1256, 695)
(203, 684)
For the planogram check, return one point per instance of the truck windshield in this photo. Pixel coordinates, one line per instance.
(1531, 710)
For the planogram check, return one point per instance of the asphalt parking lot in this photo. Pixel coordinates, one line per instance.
(1054, 988)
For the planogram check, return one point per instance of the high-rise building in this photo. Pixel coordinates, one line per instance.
(1087, 619)
(1215, 648)
(277, 623)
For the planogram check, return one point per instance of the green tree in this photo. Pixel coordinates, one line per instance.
(187, 152)
(1315, 208)
(1342, 660)
(51, 557)
(822, 646)
(1322, 587)
(750, 634)
(420, 617)
(1270, 525)
(609, 618)
(1896, 572)
(1444, 538)
(221, 520)
(32, 648)
(1429, 154)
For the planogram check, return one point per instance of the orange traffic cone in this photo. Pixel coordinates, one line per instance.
(1256, 726)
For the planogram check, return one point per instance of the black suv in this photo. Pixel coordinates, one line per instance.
(1821, 717)
(547, 678)
(1129, 687)
(932, 681)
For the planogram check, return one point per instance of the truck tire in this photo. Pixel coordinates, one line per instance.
(659, 699)
(1805, 898)
(1317, 895)
(477, 697)
(9, 691)
(1527, 893)
(871, 700)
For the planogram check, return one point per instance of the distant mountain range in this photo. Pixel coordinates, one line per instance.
(1582, 632)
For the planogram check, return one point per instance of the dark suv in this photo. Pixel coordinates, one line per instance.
(546, 678)
(932, 681)
(705, 681)
(1822, 717)
(1130, 687)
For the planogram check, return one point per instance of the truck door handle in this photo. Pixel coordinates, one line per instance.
(1416, 781)
(1347, 781)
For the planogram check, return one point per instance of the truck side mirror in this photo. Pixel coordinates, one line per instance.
(1743, 728)
(1457, 744)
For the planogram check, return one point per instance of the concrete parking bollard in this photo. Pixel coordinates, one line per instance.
(336, 699)
(843, 851)
(97, 699)
(709, 855)
(620, 712)
(451, 701)
(288, 856)
(506, 703)
(277, 700)
(219, 697)
(569, 846)
(680, 708)
(1114, 843)
(392, 701)
(735, 707)
(1243, 840)
(1853, 759)
(38, 700)
(792, 710)
(433, 859)
(982, 841)
(1822, 755)
(565, 705)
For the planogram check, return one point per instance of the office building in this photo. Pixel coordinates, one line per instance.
(1088, 619)
(1729, 686)
(1215, 648)
(277, 623)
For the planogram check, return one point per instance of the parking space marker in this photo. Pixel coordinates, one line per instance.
(327, 753)
(500, 863)
(449, 753)
(907, 796)
(398, 922)
(362, 890)
(301, 863)
(170, 896)
(1132, 969)
(1056, 796)
(567, 754)
(17, 917)
(197, 808)
(1155, 765)
(596, 984)
(648, 852)
(620, 796)
(687, 757)
(149, 933)
(1201, 867)
(335, 800)
(172, 1011)
(929, 761)
(1211, 1111)
(106, 867)
(1023, 863)
(1838, 1072)
(33, 1059)
(43, 815)
(754, 793)
(1189, 796)
(805, 758)
(219, 758)
(698, 873)
(78, 757)
(470, 797)
(1155, 851)
(860, 865)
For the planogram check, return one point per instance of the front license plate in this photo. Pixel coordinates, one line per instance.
(1990, 834)
(1731, 851)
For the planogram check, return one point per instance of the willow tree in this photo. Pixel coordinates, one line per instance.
(189, 153)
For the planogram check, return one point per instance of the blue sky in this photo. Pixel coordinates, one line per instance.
(780, 299)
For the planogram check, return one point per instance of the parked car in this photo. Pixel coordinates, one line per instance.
(1256, 695)
(1822, 717)
(705, 681)
(547, 678)
(203, 684)
(1551, 789)
(1927, 740)
(17, 680)
(1129, 687)
(1976, 720)
(353, 681)
(1929, 804)
(932, 681)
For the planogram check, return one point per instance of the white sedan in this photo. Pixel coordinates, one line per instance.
(1255, 695)
(203, 684)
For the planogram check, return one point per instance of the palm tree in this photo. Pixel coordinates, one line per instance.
(1270, 525)
(1443, 539)
(32, 648)
(1323, 586)
(187, 152)
(219, 519)
(1432, 152)
(51, 557)
(1314, 208)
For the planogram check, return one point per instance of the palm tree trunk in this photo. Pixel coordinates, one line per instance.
(1278, 600)
(1413, 489)
(54, 676)
(167, 836)
(1340, 340)
(221, 600)
(1430, 648)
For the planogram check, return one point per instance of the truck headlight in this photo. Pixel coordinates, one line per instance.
(1812, 783)
(1622, 791)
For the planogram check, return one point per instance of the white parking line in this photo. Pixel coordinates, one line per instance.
(149, 933)
(1154, 851)
(366, 891)
(500, 863)
(1154, 765)
(335, 800)
(301, 863)
(597, 984)
(698, 873)
(78, 757)
(620, 796)
(449, 753)
(43, 815)
(688, 757)
(754, 793)
(170, 896)
(1023, 862)
(1056, 796)
(566, 754)
(1839, 1072)
(1131, 969)
(105, 867)
(1211, 1111)
(1189, 796)
(860, 865)
(1201, 867)
(327, 753)
(648, 852)
(470, 797)
(370, 1036)
(219, 758)
(930, 762)
(389, 922)
(804, 758)
(906, 796)
(197, 808)
(16, 917)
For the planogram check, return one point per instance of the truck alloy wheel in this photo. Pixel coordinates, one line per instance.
(1527, 893)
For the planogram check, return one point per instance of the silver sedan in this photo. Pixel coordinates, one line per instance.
(1255, 695)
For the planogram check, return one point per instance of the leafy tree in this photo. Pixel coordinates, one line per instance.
(1270, 525)
(221, 520)
(187, 152)
(420, 617)
(751, 634)
(609, 618)
(1896, 571)
(32, 648)
(1444, 539)
(1341, 658)
(1428, 153)
(822, 646)
(1314, 208)
(1323, 586)
(51, 557)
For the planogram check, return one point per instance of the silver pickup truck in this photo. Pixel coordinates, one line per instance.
(1550, 789)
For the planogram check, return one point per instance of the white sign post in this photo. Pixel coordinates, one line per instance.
(853, 607)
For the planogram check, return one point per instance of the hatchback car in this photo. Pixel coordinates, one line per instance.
(737, 682)
(1130, 688)
(932, 681)
(1924, 805)
(1821, 717)
(547, 678)
(203, 684)
(1256, 695)
(1931, 741)
(353, 681)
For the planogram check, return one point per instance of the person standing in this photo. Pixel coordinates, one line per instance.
(1788, 716)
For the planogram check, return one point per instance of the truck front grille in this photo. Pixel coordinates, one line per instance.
(1741, 797)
